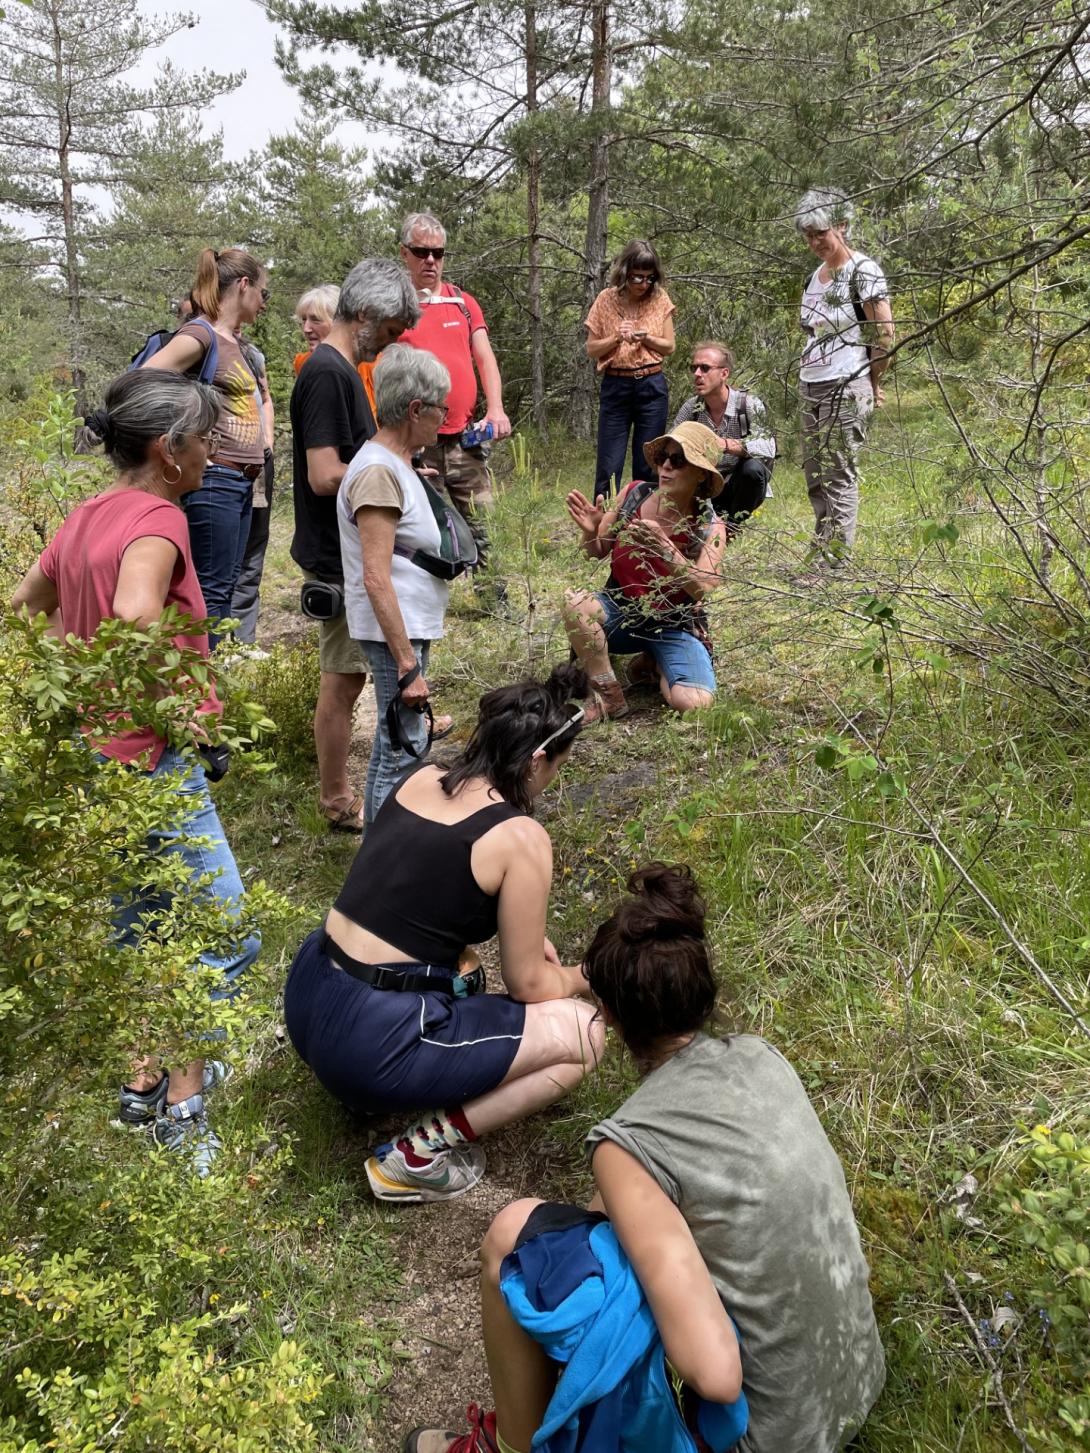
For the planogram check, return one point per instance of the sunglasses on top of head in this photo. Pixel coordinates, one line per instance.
(425, 252)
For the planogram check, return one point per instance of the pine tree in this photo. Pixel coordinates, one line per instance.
(70, 122)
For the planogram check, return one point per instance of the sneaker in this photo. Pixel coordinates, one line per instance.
(139, 1109)
(449, 1174)
(184, 1128)
(481, 1437)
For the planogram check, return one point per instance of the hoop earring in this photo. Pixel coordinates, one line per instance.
(167, 481)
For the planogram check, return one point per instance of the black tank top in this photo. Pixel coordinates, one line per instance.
(411, 883)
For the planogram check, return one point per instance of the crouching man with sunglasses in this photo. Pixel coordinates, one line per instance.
(664, 543)
(740, 423)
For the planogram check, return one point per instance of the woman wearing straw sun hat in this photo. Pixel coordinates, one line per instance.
(664, 542)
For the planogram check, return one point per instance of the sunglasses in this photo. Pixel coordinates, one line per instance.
(571, 721)
(675, 461)
(641, 277)
(704, 367)
(425, 252)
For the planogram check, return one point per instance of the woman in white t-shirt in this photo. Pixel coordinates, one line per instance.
(846, 313)
(395, 608)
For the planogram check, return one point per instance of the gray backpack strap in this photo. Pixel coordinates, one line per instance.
(743, 414)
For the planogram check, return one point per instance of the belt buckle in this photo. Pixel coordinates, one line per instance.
(640, 373)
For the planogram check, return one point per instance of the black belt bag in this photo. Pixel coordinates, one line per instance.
(385, 976)
(320, 600)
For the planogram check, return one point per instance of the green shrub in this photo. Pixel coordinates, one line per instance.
(287, 686)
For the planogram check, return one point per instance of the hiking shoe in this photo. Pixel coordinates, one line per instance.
(481, 1437)
(608, 701)
(449, 1174)
(184, 1128)
(139, 1109)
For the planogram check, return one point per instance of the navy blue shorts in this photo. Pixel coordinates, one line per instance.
(387, 1049)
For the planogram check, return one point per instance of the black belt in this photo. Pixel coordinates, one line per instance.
(384, 976)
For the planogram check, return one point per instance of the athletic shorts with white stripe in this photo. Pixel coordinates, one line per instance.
(381, 1050)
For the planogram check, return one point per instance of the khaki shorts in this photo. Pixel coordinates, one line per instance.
(337, 651)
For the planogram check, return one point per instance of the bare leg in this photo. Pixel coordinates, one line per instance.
(563, 1040)
(583, 622)
(523, 1376)
(685, 698)
(337, 695)
(185, 1082)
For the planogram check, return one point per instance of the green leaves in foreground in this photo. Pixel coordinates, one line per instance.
(842, 754)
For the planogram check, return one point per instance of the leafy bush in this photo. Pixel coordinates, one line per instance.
(120, 1322)
(287, 686)
(1049, 1204)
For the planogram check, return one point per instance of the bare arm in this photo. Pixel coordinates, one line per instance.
(696, 1332)
(144, 579)
(697, 578)
(526, 854)
(601, 347)
(881, 315)
(663, 343)
(325, 469)
(268, 411)
(35, 595)
(377, 529)
(178, 356)
(491, 383)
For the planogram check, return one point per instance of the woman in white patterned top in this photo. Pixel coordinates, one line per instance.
(846, 313)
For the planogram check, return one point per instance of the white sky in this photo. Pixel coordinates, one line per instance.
(234, 35)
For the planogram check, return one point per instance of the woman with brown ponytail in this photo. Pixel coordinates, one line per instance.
(716, 1187)
(230, 291)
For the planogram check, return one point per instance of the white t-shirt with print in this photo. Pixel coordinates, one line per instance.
(421, 596)
(836, 348)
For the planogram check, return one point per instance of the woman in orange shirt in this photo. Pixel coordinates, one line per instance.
(314, 311)
(630, 330)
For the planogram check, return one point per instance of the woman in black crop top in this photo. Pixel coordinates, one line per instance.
(380, 1001)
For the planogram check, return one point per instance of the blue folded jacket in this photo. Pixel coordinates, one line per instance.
(575, 1293)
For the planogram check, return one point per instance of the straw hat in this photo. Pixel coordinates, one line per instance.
(698, 444)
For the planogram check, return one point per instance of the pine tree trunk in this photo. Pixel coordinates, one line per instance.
(597, 210)
(539, 413)
(68, 218)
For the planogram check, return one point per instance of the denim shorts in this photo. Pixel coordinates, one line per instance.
(681, 658)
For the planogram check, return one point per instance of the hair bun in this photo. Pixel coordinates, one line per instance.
(101, 425)
(666, 905)
(568, 682)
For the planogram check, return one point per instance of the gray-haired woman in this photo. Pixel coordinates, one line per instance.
(395, 608)
(846, 313)
(314, 314)
(125, 555)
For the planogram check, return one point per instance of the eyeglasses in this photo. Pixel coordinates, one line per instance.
(211, 441)
(641, 277)
(265, 294)
(571, 721)
(704, 367)
(441, 409)
(675, 461)
(425, 252)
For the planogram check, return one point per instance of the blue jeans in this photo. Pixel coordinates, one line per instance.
(636, 404)
(219, 526)
(680, 657)
(388, 762)
(201, 857)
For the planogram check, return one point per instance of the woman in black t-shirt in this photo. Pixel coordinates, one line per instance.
(452, 859)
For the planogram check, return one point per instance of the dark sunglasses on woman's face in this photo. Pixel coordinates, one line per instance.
(425, 252)
(266, 293)
(675, 461)
(641, 277)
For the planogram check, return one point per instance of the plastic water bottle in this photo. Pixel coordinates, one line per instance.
(476, 435)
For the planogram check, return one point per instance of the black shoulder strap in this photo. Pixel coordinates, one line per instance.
(456, 296)
(640, 490)
(853, 293)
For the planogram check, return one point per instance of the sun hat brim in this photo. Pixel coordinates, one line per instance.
(688, 448)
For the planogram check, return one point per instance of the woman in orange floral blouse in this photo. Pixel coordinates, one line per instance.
(630, 330)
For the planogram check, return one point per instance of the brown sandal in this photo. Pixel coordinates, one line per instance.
(345, 819)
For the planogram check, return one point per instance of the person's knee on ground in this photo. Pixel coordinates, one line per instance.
(686, 698)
